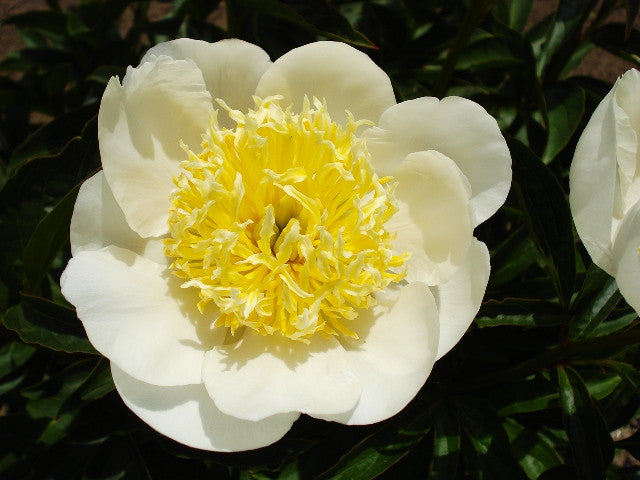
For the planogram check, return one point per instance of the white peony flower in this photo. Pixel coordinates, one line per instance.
(605, 185)
(255, 248)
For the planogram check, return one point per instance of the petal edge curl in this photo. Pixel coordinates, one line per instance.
(98, 221)
(140, 126)
(394, 355)
(433, 222)
(138, 317)
(187, 414)
(460, 298)
(343, 76)
(231, 68)
(456, 127)
(313, 379)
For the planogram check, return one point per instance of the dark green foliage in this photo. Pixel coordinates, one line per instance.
(547, 371)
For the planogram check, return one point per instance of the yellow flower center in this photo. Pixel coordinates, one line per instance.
(280, 222)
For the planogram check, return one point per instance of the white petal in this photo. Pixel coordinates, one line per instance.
(592, 182)
(136, 315)
(459, 299)
(98, 222)
(343, 76)
(627, 112)
(231, 68)
(187, 414)
(140, 126)
(434, 220)
(260, 376)
(460, 129)
(394, 354)
(626, 252)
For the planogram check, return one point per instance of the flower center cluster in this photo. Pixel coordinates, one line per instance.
(280, 222)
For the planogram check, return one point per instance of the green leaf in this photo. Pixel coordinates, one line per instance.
(472, 18)
(575, 59)
(488, 53)
(53, 137)
(25, 202)
(610, 326)
(38, 59)
(612, 37)
(118, 457)
(520, 312)
(75, 24)
(446, 445)
(493, 453)
(620, 407)
(48, 22)
(589, 439)
(51, 234)
(534, 453)
(46, 398)
(594, 281)
(537, 33)
(627, 372)
(513, 13)
(598, 297)
(13, 355)
(49, 324)
(96, 385)
(56, 173)
(376, 453)
(18, 435)
(548, 216)
(316, 17)
(565, 108)
(11, 384)
(601, 386)
(511, 259)
(616, 473)
(57, 428)
(568, 20)
(532, 394)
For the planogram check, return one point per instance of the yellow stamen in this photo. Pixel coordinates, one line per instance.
(280, 222)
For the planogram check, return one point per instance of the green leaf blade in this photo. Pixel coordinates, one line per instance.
(548, 217)
(565, 108)
(589, 439)
(48, 324)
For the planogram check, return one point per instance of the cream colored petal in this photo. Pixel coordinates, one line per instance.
(394, 354)
(626, 254)
(433, 223)
(231, 68)
(592, 183)
(260, 376)
(459, 299)
(627, 113)
(140, 126)
(343, 76)
(187, 415)
(456, 127)
(98, 222)
(136, 314)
